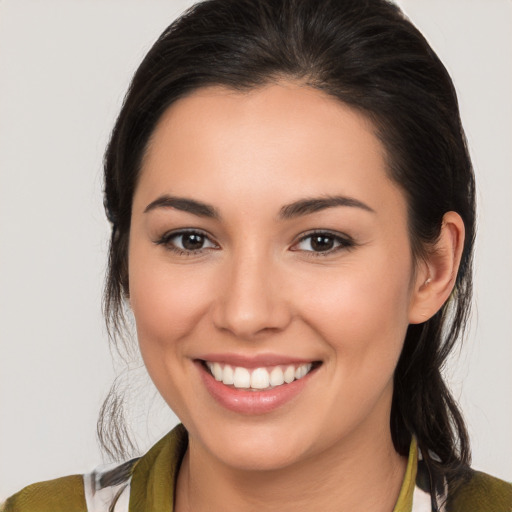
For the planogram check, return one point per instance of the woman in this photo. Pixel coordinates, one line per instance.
(292, 208)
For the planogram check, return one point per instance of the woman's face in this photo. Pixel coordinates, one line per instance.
(267, 242)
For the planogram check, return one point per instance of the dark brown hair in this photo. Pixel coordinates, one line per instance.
(366, 54)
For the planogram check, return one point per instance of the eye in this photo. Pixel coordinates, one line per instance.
(186, 242)
(323, 242)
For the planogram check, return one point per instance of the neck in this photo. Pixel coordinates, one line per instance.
(356, 475)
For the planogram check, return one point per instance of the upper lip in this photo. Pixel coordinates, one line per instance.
(254, 361)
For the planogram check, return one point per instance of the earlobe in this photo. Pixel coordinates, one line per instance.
(436, 278)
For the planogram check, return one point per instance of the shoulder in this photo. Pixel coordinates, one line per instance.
(148, 479)
(481, 492)
(107, 486)
(62, 494)
(96, 491)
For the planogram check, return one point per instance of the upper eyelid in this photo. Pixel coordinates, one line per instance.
(180, 231)
(184, 231)
(335, 234)
(165, 240)
(345, 244)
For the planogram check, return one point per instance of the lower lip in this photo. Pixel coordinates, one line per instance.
(251, 402)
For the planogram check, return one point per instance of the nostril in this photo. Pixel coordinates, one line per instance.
(249, 302)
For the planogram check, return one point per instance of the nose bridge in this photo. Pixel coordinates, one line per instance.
(251, 299)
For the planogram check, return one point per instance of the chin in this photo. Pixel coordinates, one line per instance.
(260, 446)
(272, 456)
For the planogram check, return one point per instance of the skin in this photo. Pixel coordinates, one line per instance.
(258, 287)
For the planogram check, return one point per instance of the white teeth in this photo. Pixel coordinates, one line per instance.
(289, 374)
(258, 378)
(276, 376)
(217, 371)
(241, 378)
(227, 375)
(302, 371)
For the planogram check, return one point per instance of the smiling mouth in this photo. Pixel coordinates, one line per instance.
(258, 379)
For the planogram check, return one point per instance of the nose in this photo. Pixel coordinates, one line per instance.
(251, 300)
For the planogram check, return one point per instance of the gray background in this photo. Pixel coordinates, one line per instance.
(64, 68)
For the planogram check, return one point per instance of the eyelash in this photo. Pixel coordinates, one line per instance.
(344, 242)
(165, 240)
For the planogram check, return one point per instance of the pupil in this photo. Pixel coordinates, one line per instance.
(322, 243)
(193, 241)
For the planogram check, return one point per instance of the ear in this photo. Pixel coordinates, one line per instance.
(436, 273)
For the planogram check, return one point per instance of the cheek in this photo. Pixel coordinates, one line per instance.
(166, 300)
(361, 310)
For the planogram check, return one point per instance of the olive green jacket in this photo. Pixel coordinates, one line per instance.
(147, 484)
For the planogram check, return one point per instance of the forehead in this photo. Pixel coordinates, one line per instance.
(273, 142)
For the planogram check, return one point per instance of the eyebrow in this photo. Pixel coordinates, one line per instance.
(316, 204)
(296, 209)
(185, 205)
